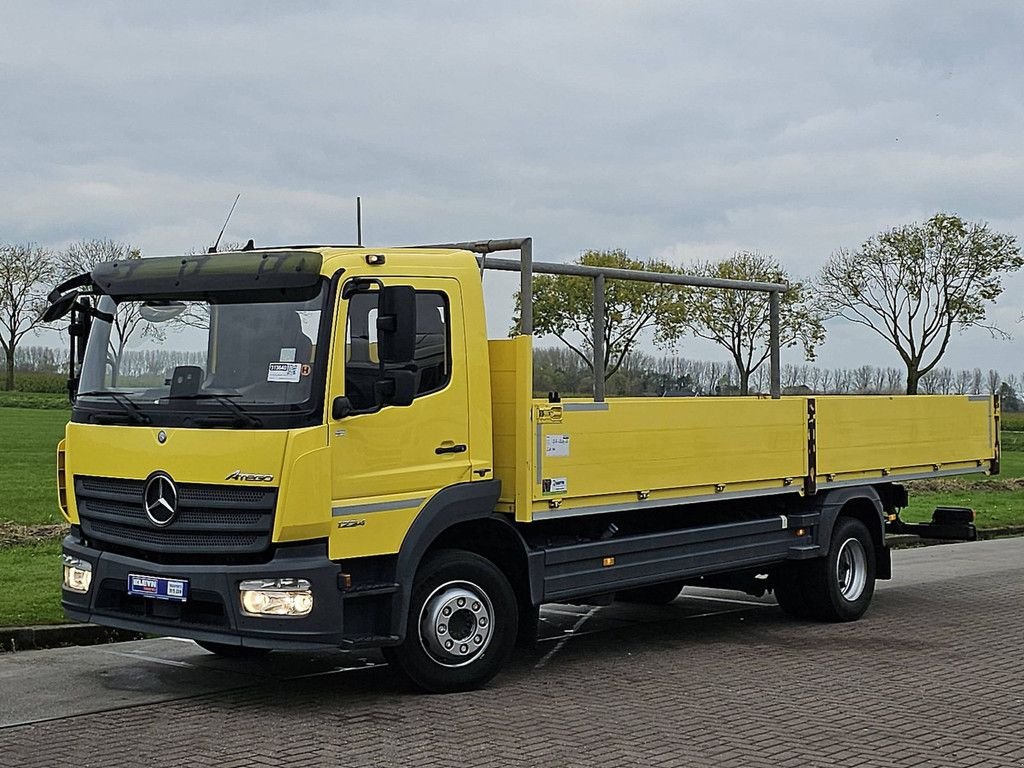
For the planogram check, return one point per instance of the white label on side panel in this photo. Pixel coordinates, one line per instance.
(556, 445)
(555, 485)
(284, 372)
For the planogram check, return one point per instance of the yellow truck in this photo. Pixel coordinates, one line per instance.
(344, 459)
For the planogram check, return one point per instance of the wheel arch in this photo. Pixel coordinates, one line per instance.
(461, 517)
(862, 503)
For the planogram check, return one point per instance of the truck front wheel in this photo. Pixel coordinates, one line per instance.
(462, 623)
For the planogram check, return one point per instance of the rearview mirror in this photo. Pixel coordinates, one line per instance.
(396, 324)
(398, 387)
(59, 308)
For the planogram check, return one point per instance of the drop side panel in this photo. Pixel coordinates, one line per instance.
(511, 402)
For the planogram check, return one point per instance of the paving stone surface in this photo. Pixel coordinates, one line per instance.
(932, 676)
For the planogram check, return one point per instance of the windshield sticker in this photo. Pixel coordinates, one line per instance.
(287, 355)
(284, 372)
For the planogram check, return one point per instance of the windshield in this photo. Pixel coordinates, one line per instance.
(156, 361)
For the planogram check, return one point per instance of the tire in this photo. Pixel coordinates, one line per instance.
(654, 594)
(232, 651)
(462, 623)
(835, 588)
(789, 591)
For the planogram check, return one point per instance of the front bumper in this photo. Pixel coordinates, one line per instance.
(213, 612)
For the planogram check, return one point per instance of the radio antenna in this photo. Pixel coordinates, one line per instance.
(359, 221)
(213, 248)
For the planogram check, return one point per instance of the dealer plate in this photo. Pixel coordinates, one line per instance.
(158, 587)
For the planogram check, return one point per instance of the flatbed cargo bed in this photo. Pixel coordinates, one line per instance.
(580, 457)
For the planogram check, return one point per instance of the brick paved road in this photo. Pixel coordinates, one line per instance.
(933, 676)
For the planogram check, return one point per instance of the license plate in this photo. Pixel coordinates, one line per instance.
(158, 587)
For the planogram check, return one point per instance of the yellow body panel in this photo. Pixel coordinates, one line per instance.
(296, 459)
(862, 437)
(384, 466)
(579, 457)
(659, 448)
(511, 408)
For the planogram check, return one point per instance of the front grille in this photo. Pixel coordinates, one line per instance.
(211, 519)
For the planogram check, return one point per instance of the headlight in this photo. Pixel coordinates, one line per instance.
(276, 597)
(77, 574)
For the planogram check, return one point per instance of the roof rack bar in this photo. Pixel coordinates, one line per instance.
(612, 273)
(526, 266)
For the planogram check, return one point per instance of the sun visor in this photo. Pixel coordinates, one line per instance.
(202, 274)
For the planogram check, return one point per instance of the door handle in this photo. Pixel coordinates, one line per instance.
(450, 449)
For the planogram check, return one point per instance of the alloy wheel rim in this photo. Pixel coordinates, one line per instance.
(456, 623)
(852, 569)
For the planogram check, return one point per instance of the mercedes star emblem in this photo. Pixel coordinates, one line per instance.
(161, 499)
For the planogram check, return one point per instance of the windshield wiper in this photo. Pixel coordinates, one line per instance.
(126, 403)
(246, 418)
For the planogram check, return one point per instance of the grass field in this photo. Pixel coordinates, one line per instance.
(38, 400)
(30, 575)
(30, 578)
(28, 464)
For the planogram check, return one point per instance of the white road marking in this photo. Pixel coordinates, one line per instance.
(144, 657)
(563, 640)
(723, 600)
(337, 671)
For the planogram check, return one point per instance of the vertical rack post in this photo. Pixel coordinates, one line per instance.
(526, 286)
(598, 340)
(773, 320)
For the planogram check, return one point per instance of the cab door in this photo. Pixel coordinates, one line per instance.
(388, 460)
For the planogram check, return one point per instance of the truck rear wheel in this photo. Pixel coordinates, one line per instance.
(462, 623)
(838, 587)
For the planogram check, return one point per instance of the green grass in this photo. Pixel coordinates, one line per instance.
(995, 504)
(28, 464)
(994, 509)
(37, 400)
(30, 577)
(1013, 422)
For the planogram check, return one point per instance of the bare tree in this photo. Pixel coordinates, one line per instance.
(862, 379)
(914, 284)
(26, 276)
(83, 256)
(994, 380)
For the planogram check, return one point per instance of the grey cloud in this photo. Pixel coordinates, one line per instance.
(674, 128)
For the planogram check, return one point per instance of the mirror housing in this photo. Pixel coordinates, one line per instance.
(79, 328)
(396, 325)
(340, 408)
(397, 387)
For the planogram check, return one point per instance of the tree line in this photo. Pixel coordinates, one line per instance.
(558, 369)
(913, 286)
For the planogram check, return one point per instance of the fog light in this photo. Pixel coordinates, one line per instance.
(276, 597)
(77, 574)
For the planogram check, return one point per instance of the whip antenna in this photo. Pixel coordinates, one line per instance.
(213, 248)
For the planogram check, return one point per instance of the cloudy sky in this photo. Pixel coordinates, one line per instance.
(673, 129)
